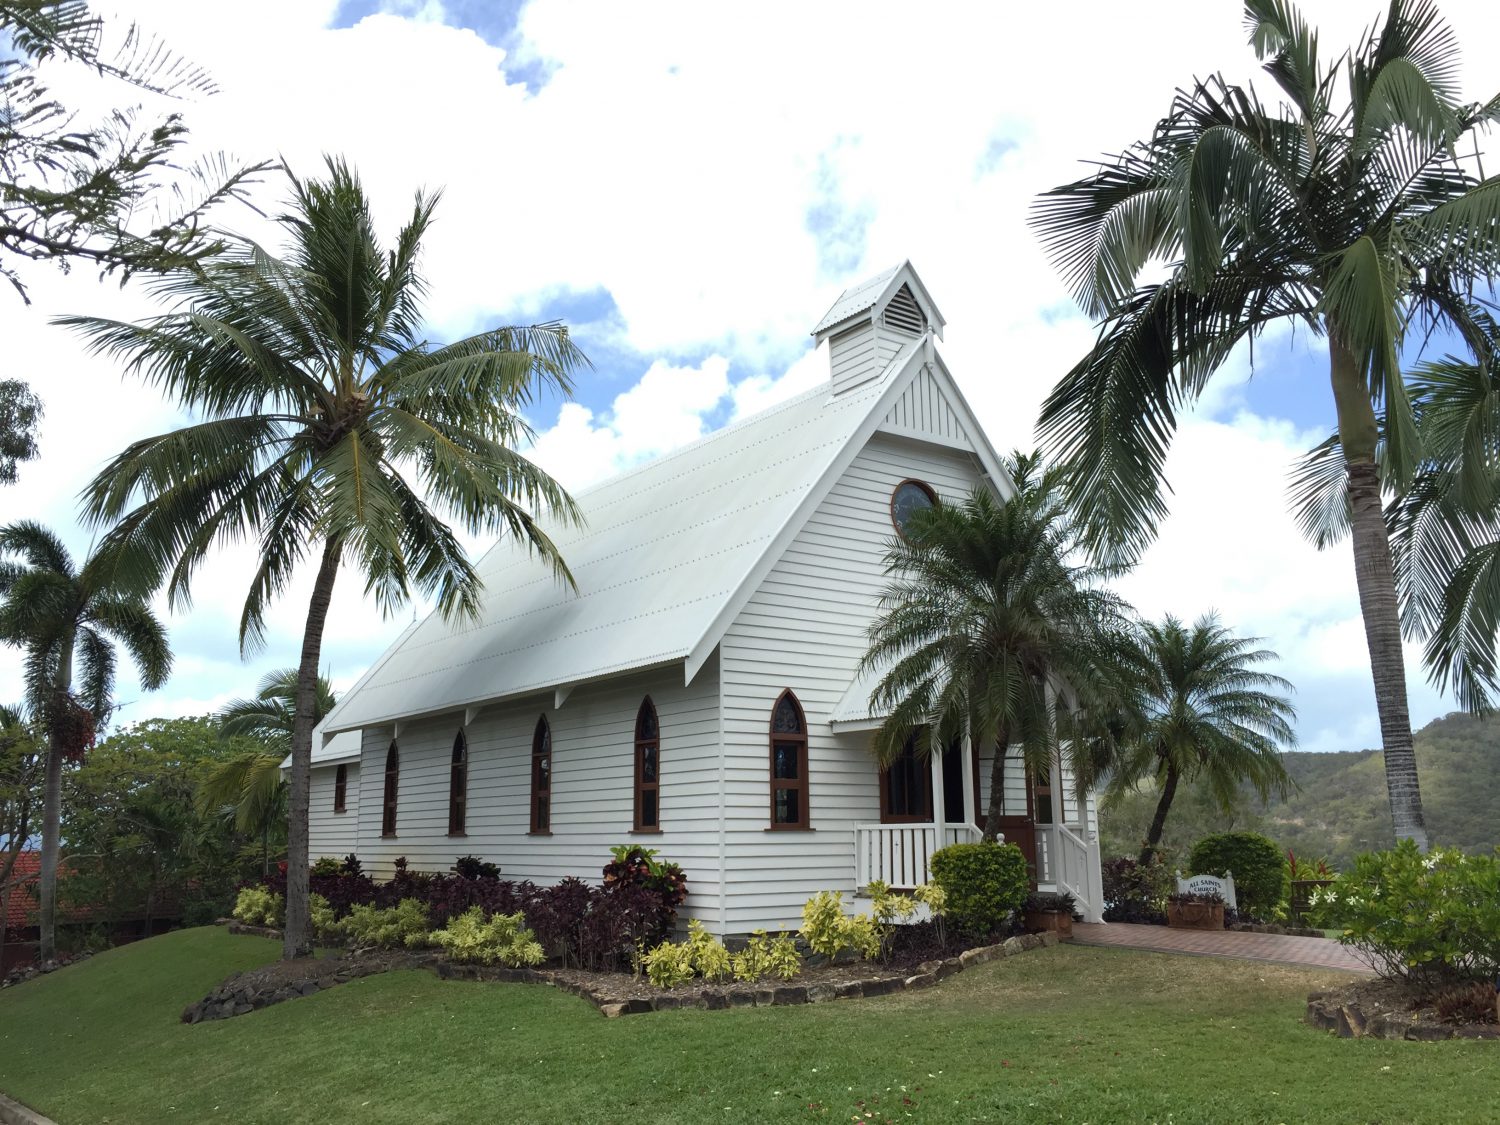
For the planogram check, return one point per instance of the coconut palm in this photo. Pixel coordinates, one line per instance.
(985, 621)
(1203, 711)
(331, 432)
(251, 784)
(68, 620)
(1346, 208)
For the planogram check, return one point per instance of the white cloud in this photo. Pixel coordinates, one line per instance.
(721, 175)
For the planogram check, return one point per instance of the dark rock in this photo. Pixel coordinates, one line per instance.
(1349, 1022)
(818, 993)
(765, 997)
(1428, 1033)
(741, 998)
(791, 994)
(883, 986)
(636, 1005)
(1477, 1031)
(921, 980)
(849, 990)
(948, 968)
(310, 987)
(668, 1003)
(241, 1009)
(715, 1001)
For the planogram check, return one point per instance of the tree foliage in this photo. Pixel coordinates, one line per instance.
(986, 620)
(20, 413)
(118, 192)
(327, 426)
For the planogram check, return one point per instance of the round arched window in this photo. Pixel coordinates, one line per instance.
(910, 497)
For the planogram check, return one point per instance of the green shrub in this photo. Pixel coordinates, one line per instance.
(324, 925)
(404, 924)
(830, 931)
(669, 964)
(765, 956)
(501, 939)
(984, 884)
(1432, 919)
(1261, 882)
(327, 865)
(257, 906)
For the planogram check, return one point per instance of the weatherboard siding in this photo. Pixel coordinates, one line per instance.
(805, 628)
(593, 785)
(854, 357)
(333, 833)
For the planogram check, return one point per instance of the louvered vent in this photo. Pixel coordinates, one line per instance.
(904, 314)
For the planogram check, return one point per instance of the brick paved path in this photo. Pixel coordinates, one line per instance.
(1320, 953)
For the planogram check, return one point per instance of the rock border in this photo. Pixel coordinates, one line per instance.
(1348, 1018)
(235, 997)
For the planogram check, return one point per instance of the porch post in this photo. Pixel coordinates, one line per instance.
(966, 767)
(939, 814)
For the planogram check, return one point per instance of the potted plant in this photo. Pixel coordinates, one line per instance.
(1047, 911)
(1195, 911)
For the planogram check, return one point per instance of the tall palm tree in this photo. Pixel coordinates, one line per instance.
(251, 783)
(69, 619)
(986, 620)
(1203, 711)
(328, 430)
(1347, 208)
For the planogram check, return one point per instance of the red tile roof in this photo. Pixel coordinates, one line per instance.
(20, 911)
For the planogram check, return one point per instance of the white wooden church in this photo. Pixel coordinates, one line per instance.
(697, 693)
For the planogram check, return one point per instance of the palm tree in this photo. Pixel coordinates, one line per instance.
(985, 621)
(330, 430)
(251, 784)
(1203, 712)
(63, 616)
(1346, 208)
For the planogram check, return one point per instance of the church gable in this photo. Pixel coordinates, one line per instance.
(925, 413)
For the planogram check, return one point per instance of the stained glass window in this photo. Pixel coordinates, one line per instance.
(392, 784)
(788, 764)
(910, 497)
(541, 777)
(647, 768)
(458, 786)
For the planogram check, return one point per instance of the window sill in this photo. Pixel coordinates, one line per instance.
(791, 828)
(535, 832)
(388, 836)
(458, 835)
(340, 812)
(645, 832)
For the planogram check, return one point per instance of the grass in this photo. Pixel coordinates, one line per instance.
(1070, 1034)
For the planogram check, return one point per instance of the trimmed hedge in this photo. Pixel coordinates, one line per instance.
(1261, 882)
(985, 884)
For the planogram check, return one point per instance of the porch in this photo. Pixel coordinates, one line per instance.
(929, 805)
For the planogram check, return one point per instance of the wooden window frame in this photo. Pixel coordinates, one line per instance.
(924, 779)
(341, 788)
(541, 798)
(392, 792)
(800, 784)
(924, 486)
(458, 786)
(642, 786)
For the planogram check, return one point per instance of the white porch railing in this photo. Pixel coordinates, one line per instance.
(898, 853)
(1067, 862)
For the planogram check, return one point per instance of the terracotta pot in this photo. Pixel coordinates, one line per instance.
(1195, 915)
(1049, 921)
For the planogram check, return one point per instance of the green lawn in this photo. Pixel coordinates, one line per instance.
(1069, 1034)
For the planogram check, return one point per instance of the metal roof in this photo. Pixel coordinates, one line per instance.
(866, 295)
(664, 551)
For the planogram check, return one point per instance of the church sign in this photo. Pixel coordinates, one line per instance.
(1209, 885)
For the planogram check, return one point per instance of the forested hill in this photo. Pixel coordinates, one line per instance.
(1339, 808)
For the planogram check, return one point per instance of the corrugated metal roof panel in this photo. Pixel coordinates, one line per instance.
(856, 299)
(664, 548)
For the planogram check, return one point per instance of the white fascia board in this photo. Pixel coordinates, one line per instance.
(994, 466)
(854, 726)
(750, 582)
(330, 720)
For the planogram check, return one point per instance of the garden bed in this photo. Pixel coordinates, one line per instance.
(613, 993)
(1384, 1009)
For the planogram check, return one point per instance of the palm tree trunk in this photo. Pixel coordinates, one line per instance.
(1377, 593)
(52, 810)
(297, 936)
(1159, 821)
(996, 807)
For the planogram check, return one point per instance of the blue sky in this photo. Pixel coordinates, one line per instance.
(689, 187)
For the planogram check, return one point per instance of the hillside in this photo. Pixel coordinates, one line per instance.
(1339, 806)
